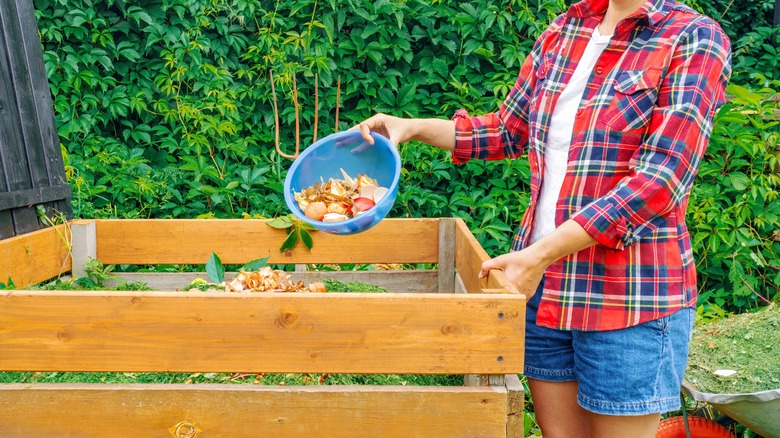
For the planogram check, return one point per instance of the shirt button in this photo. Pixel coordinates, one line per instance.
(579, 112)
(599, 70)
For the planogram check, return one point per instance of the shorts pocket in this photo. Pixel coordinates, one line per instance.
(635, 94)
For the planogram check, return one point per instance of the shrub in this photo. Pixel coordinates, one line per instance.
(164, 109)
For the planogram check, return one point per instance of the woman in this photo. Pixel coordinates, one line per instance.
(614, 107)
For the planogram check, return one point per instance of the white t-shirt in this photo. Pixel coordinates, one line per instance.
(556, 151)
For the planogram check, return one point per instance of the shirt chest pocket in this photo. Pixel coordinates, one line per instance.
(634, 96)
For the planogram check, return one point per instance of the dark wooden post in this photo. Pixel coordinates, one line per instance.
(31, 165)
(776, 21)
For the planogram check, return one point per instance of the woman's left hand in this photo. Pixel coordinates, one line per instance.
(526, 267)
(523, 268)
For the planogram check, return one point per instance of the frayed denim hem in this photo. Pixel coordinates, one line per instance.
(630, 409)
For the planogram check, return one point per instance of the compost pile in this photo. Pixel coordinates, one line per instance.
(737, 355)
(263, 280)
(270, 280)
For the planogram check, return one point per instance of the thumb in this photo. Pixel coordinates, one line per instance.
(487, 266)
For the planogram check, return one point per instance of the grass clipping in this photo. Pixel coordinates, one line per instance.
(737, 355)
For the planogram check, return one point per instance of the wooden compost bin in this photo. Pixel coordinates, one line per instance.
(444, 321)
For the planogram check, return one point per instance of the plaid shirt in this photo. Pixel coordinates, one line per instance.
(641, 129)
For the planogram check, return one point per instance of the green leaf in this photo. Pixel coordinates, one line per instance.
(8, 286)
(214, 269)
(281, 222)
(739, 180)
(306, 226)
(255, 265)
(306, 239)
(290, 242)
(387, 97)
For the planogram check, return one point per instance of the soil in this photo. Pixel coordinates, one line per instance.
(748, 344)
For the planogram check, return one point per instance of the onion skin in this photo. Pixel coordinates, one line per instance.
(379, 193)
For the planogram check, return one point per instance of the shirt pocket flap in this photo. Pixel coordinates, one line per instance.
(545, 65)
(631, 81)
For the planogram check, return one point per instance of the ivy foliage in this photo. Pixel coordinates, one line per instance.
(734, 208)
(164, 108)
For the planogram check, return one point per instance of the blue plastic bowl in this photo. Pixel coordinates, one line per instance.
(346, 150)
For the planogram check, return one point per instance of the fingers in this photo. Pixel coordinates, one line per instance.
(487, 266)
(365, 131)
(373, 123)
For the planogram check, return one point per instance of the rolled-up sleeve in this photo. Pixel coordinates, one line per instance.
(503, 134)
(663, 168)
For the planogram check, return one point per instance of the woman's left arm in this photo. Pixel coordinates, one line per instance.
(665, 164)
(525, 268)
(663, 171)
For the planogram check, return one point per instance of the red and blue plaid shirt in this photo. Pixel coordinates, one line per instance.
(640, 132)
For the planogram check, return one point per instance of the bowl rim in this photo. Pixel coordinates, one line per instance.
(379, 141)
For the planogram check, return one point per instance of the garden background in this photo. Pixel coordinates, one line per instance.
(164, 110)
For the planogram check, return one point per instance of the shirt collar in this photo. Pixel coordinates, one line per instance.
(654, 10)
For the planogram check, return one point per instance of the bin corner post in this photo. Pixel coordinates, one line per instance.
(84, 246)
(446, 269)
(515, 403)
(484, 380)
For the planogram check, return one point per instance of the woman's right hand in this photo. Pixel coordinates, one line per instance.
(435, 132)
(396, 129)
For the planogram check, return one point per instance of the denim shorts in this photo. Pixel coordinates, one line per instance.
(633, 371)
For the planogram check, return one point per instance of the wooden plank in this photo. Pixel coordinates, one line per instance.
(37, 195)
(35, 257)
(484, 380)
(32, 411)
(25, 220)
(15, 163)
(270, 332)
(469, 257)
(33, 97)
(30, 160)
(84, 246)
(393, 281)
(237, 241)
(446, 255)
(6, 224)
(460, 288)
(515, 403)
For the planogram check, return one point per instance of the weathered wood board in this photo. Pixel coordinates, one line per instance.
(239, 241)
(35, 257)
(32, 411)
(268, 332)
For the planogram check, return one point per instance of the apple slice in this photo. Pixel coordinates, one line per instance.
(363, 204)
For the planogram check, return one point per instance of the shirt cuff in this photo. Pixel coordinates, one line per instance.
(463, 132)
(602, 220)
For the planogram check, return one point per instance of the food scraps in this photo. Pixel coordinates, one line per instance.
(340, 199)
(263, 280)
(270, 280)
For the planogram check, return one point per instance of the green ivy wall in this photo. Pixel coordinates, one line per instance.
(164, 109)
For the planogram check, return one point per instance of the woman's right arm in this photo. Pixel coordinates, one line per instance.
(492, 136)
(435, 132)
